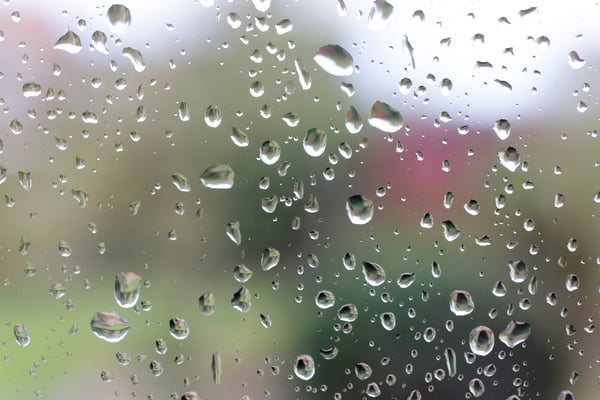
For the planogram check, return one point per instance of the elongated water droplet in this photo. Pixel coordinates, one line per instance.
(329, 353)
(502, 129)
(109, 326)
(388, 320)
(461, 302)
(160, 346)
(69, 42)
(385, 117)
(304, 367)
(359, 209)
(515, 333)
(99, 41)
(380, 15)
(353, 120)
(127, 289)
(216, 367)
(181, 182)
(233, 232)
(269, 258)
(348, 313)
(242, 300)
(575, 61)
(450, 357)
(270, 151)
(374, 273)
(179, 328)
(21, 335)
(315, 142)
(213, 116)
(303, 75)
(118, 18)
(406, 279)
(325, 299)
(184, 111)
(476, 387)
(32, 89)
(219, 176)
(265, 320)
(25, 179)
(335, 60)
(207, 303)
(481, 340)
(135, 56)
(349, 261)
(451, 231)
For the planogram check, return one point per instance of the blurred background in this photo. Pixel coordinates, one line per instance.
(470, 130)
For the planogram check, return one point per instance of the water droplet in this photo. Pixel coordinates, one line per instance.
(481, 340)
(451, 231)
(565, 395)
(374, 273)
(15, 127)
(156, 368)
(269, 203)
(160, 346)
(25, 179)
(510, 158)
(380, 15)
(335, 60)
(385, 117)
(363, 371)
(118, 18)
(572, 282)
(325, 299)
(575, 61)
(181, 182)
(446, 87)
(21, 335)
(303, 75)
(99, 41)
(518, 271)
(106, 376)
(315, 142)
(502, 129)
(233, 232)
(216, 367)
(190, 396)
(329, 353)
(135, 57)
(359, 209)
(448, 199)
(213, 116)
(472, 207)
(109, 326)
(178, 328)
(239, 137)
(184, 111)
(291, 119)
(80, 196)
(270, 151)
(69, 42)
(476, 387)
(312, 204)
(127, 289)
(348, 313)
(207, 303)
(414, 395)
(572, 245)
(32, 89)
(353, 120)
(515, 333)
(450, 357)
(461, 302)
(406, 279)
(388, 320)
(269, 258)
(304, 367)
(265, 320)
(349, 261)
(64, 248)
(426, 221)
(261, 5)
(219, 176)
(242, 300)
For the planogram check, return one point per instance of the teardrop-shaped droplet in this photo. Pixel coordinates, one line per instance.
(69, 42)
(109, 326)
(481, 340)
(359, 209)
(220, 176)
(325, 299)
(518, 271)
(374, 273)
(179, 328)
(270, 151)
(515, 333)
(233, 232)
(406, 279)
(99, 41)
(181, 182)
(118, 18)
(304, 367)
(21, 335)
(207, 303)
(385, 117)
(348, 313)
(213, 116)
(127, 289)
(315, 142)
(269, 258)
(135, 56)
(380, 15)
(353, 120)
(242, 300)
(335, 60)
(510, 158)
(502, 129)
(363, 371)
(461, 303)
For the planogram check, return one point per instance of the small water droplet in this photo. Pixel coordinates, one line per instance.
(461, 303)
(363, 371)
(426, 221)
(242, 300)
(127, 289)
(572, 282)
(472, 207)
(184, 111)
(359, 209)
(304, 367)
(64, 248)
(349, 261)
(374, 273)
(315, 142)
(385, 117)
(213, 116)
(406, 279)
(181, 182)
(481, 340)
(270, 151)
(21, 335)
(178, 328)
(353, 120)
(219, 176)
(335, 60)
(239, 137)
(118, 18)
(69, 42)
(109, 326)
(160, 346)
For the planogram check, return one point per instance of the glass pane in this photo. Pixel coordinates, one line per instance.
(299, 199)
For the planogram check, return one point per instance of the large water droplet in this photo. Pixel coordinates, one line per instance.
(510, 158)
(21, 335)
(32, 89)
(334, 59)
(269, 258)
(572, 282)
(565, 395)
(118, 18)
(481, 340)
(239, 137)
(64, 248)
(315, 142)
(69, 42)
(181, 182)
(270, 151)
(359, 209)
(304, 367)
(325, 299)
(385, 117)
(348, 313)
(461, 302)
(380, 15)
(374, 273)
(219, 176)
(127, 289)
(135, 56)
(406, 279)
(179, 328)
(242, 300)
(516, 332)
(109, 326)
